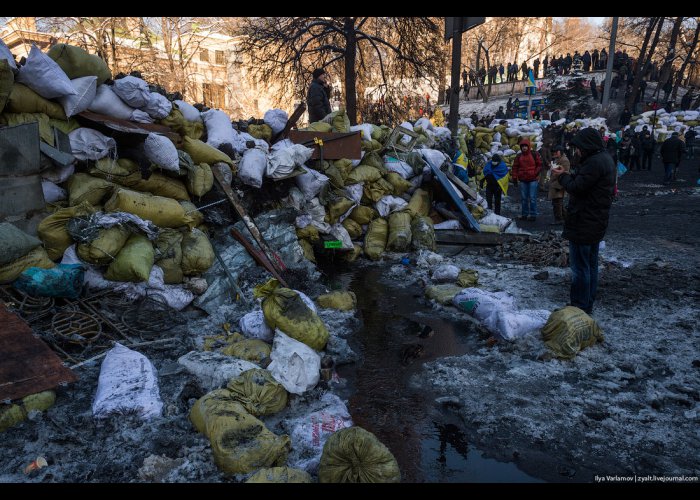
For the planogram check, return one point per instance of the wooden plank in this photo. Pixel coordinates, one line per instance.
(290, 123)
(336, 145)
(461, 185)
(28, 364)
(130, 127)
(457, 237)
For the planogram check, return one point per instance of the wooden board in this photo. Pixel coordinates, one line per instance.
(459, 237)
(336, 145)
(28, 365)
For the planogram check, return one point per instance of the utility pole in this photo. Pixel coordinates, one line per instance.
(456, 64)
(608, 72)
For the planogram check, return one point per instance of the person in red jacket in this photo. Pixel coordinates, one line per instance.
(526, 169)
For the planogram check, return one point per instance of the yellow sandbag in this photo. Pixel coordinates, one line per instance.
(200, 180)
(201, 152)
(489, 228)
(308, 250)
(157, 184)
(65, 126)
(339, 121)
(11, 415)
(372, 159)
(371, 146)
(22, 99)
(468, 278)
(35, 258)
(363, 173)
(344, 166)
(263, 131)
(375, 191)
(197, 253)
(354, 455)
(163, 212)
(280, 475)
(308, 233)
(363, 214)
(77, 62)
(191, 210)
(113, 170)
(84, 187)
(422, 233)
(176, 121)
(318, 127)
(400, 184)
(353, 228)
(13, 119)
(419, 203)
(569, 330)
(169, 255)
(443, 293)
(104, 249)
(375, 239)
(254, 350)
(210, 407)
(7, 79)
(284, 309)
(399, 238)
(52, 230)
(133, 262)
(258, 392)
(338, 207)
(343, 301)
(477, 211)
(352, 255)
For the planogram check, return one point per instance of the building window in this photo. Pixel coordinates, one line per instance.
(204, 55)
(213, 95)
(219, 57)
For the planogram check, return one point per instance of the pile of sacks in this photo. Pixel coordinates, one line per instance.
(665, 123)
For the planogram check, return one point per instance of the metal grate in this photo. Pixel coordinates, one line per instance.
(76, 327)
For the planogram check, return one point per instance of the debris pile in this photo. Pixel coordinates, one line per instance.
(546, 249)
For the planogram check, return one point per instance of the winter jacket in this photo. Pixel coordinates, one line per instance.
(590, 190)
(555, 189)
(526, 166)
(317, 101)
(647, 142)
(672, 150)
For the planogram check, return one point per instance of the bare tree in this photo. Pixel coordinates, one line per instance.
(690, 47)
(644, 57)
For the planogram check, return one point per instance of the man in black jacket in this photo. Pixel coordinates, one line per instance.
(317, 100)
(590, 197)
(672, 151)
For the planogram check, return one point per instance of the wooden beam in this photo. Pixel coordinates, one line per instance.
(457, 237)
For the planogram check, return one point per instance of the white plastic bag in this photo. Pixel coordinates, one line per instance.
(158, 106)
(52, 192)
(252, 167)
(85, 90)
(481, 304)
(7, 55)
(133, 91)
(354, 191)
(283, 162)
(139, 116)
(89, 144)
(190, 113)
(106, 102)
(311, 182)
(445, 273)
(161, 151)
(44, 76)
(399, 166)
(219, 128)
(253, 326)
(365, 129)
(276, 119)
(294, 364)
(339, 232)
(390, 203)
(128, 384)
(510, 325)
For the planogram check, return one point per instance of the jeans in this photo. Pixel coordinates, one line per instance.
(583, 260)
(528, 198)
(668, 171)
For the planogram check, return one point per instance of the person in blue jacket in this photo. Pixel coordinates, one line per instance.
(494, 170)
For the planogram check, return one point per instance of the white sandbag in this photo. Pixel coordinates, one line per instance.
(497, 137)
(276, 119)
(44, 76)
(282, 162)
(399, 166)
(309, 303)
(311, 183)
(390, 203)
(481, 303)
(243, 137)
(510, 325)
(493, 219)
(294, 364)
(161, 151)
(85, 89)
(133, 91)
(508, 152)
(560, 121)
(128, 385)
(296, 199)
(448, 224)
(89, 144)
(175, 296)
(219, 129)
(190, 113)
(309, 432)
(365, 129)
(106, 102)
(354, 191)
(437, 158)
(52, 192)
(424, 123)
(445, 273)
(158, 106)
(283, 144)
(214, 369)
(253, 326)
(339, 232)
(58, 174)
(442, 132)
(6, 54)
(252, 167)
(139, 116)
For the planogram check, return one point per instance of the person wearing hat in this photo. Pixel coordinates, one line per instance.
(672, 151)
(317, 99)
(494, 171)
(556, 192)
(590, 198)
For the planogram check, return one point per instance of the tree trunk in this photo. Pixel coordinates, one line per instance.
(350, 56)
(668, 63)
(688, 58)
(642, 59)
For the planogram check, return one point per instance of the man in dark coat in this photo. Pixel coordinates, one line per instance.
(586, 58)
(536, 67)
(317, 100)
(590, 198)
(625, 117)
(672, 151)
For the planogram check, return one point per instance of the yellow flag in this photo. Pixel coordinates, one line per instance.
(503, 182)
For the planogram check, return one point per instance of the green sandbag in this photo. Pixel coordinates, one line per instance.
(344, 166)
(169, 255)
(569, 330)
(442, 294)
(352, 255)
(113, 170)
(103, 250)
(373, 159)
(400, 184)
(338, 207)
(423, 234)
(197, 253)
(15, 243)
(308, 233)
(210, 407)
(53, 232)
(76, 62)
(363, 173)
(353, 228)
(254, 350)
(192, 211)
(363, 214)
(371, 146)
(7, 79)
(35, 258)
(163, 212)
(375, 191)
(334, 174)
(318, 127)
(14, 119)
(201, 152)
(379, 134)
(200, 180)
(65, 126)
(284, 308)
(308, 250)
(22, 99)
(339, 121)
(280, 475)
(399, 238)
(477, 211)
(84, 187)
(156, 184)
(263, 131)
(11, 415)
(468, 278)
(258, 392)
(177, 122)
(375, 239)
(354, 455)
(133, 262)
(419, 203)
(343, 301)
